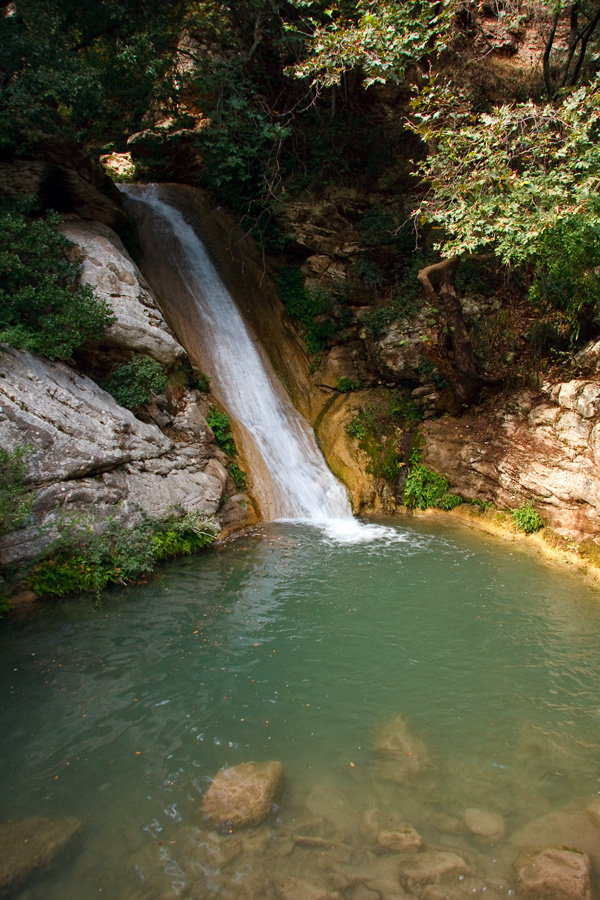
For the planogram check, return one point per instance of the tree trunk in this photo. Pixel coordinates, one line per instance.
(459, 367)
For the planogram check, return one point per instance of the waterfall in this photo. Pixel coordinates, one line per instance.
(300, 486)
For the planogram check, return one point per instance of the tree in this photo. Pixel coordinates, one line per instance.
(43, 308)
(502, 181)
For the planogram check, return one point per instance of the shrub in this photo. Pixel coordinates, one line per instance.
(238, 475)
(424, 489)
(132, 384)
(345, 385)
(84, 560)
(203, 383)
(356, 428)
(527, 519)
(43, 308)
(221, 426)
(15, 502)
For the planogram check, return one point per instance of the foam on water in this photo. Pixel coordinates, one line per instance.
(352, 531)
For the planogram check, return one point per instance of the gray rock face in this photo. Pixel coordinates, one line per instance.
(544, 448)
(89, 454)
(108, 268)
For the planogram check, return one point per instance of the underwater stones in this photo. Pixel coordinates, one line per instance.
(326, 803)
(433, 866)
(31, 845)
(485, 824)
(554, 873)
(243, 794)
(404, 837)
(404, 755)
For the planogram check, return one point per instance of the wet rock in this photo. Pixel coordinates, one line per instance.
(554, 873)
(402, 838)
(486, 824)
(243, 794)
(577, 826)
(433, 866)
(405, 754)
(30, 846)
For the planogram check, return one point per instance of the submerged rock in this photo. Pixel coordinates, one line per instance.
(433, 866)
(30, 846)
(243, 794)
(404, 754)
(402, 838)
(554, 873)
(296, 889)
(486, 824)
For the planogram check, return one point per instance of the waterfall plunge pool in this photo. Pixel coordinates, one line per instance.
(292, 645)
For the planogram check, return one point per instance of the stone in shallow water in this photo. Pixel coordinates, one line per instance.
(487, 824)
(404, 753)
(404, 837)
(554, 873)
(31, 845)
(432, 866)
(243, 794)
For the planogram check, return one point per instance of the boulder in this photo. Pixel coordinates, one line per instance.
(554, 873)
(243, 794)
(30, 846)
(87, 454)
(108, 268)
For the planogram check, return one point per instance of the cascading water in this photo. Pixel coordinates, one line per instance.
(302, 487)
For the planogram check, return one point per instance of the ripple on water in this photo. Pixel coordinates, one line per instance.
(300, 644)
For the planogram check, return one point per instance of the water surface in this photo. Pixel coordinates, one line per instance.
(290, 645)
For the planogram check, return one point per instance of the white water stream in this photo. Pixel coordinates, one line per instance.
(302, 487)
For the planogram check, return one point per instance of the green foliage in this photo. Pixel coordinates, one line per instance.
(567, 275)
(81, 70)
(424, 489)
(238, 475)
(527, 519)
(15, 503)
(356, 428)
(369, 272)
(311, 308)
(221, 426)
(381, 39)
(505, 179)
(86, 557)
(345, 385)
(43, 308)
(132, 384)
(203, 383)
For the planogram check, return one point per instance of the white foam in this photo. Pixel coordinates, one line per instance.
(352, 531)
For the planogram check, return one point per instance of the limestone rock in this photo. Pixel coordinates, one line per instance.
(530, 450)
(109, 269)
(402, 838)
(88, 454)
(31, 845)
(554, 873)
(432, 866)
(486, 824)
(405, 754)
(243, 794)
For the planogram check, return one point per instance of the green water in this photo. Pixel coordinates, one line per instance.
(287, 645)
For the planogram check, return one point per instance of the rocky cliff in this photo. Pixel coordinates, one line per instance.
(88, 456)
